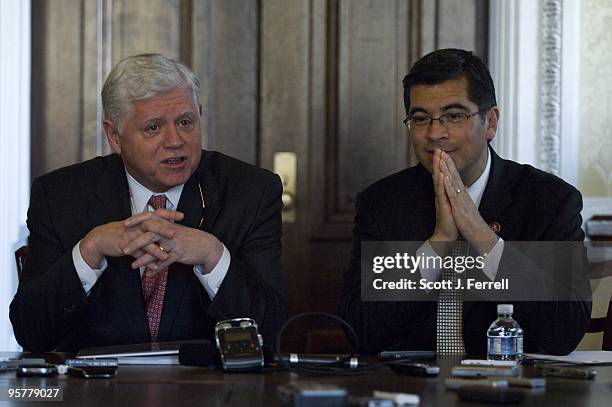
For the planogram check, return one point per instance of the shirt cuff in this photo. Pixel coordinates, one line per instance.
(492, 259)
(212, 281)
(430, 274)
(87, 275)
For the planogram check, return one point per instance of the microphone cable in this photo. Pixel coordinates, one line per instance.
(342, 365)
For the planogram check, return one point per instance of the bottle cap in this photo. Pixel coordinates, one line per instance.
(505, 308)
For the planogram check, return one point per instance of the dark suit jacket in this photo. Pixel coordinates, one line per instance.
(528, 204)
(242, 209)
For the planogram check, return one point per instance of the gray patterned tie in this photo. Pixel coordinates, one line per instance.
(449, 327)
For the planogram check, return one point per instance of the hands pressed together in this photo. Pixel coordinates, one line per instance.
(456, 213)
(154, 240)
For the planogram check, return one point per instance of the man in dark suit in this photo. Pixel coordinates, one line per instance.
(461, 190)
(156, 242)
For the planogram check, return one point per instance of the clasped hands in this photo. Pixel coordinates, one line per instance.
(456, 213)
(154, 240)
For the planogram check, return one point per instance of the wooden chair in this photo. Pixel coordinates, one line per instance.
(599, 232)
(21, 256)
(601, 275)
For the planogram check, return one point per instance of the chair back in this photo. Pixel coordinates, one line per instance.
(600, 325)
(21, 256)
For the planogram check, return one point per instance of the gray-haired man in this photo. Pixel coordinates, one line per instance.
(157, 241)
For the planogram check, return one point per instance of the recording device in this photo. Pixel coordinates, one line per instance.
(312, 394)
(102, 362)
(239, 345)
(455, 384)
(415, 369)
(13, 363)
(566, 372)
(42, 370)
(92, 372)
(407, 354)
(486, 362)
(525, 382)
(484, 371)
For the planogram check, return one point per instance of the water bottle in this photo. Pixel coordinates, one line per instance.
(505, 336)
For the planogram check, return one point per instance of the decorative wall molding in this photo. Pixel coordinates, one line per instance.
(550, 88)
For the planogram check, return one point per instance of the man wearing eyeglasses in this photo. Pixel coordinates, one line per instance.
(461, 191)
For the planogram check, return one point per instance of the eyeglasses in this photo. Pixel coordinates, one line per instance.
(448, 120)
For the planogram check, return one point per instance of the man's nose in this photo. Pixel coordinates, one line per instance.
(436, 131)
(173, 138)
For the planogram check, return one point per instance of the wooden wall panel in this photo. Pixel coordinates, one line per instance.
(459, 24)
(140, 26)
(57, 87)
(91, 128)
(225, 57)
(284, 122)
(373, 58)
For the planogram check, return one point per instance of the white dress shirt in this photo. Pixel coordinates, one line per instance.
(139, 202)
(492, 259)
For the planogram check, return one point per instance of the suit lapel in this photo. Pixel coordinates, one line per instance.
(112, 203)
(497, 196)
(180, 276)
(213, 193)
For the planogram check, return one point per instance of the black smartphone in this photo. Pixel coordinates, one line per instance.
(42, 370)
(407, 354)
(415, 369)
(92, 372)
(490, 395)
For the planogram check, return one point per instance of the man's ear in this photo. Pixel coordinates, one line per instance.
(112, 136)
(492, 120)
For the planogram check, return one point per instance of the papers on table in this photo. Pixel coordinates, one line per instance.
(597, 357)
(162, 353)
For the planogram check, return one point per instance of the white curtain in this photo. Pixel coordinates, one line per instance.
(14, 149)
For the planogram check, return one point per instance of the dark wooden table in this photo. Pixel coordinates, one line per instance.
(190, 386)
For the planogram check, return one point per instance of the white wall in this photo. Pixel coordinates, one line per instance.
(15, 149)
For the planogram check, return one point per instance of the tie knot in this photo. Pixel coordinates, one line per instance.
(158, 201)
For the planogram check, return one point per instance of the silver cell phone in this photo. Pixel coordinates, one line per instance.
(529, 382)
(454, 384)
(485, 362)
(92, 372)
(484, 371)
(42, 370)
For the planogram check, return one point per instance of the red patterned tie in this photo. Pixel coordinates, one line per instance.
(154, 283)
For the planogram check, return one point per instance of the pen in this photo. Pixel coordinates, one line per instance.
(566, 372)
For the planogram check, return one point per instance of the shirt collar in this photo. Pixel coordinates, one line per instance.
(476, 190)
(140, 195)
